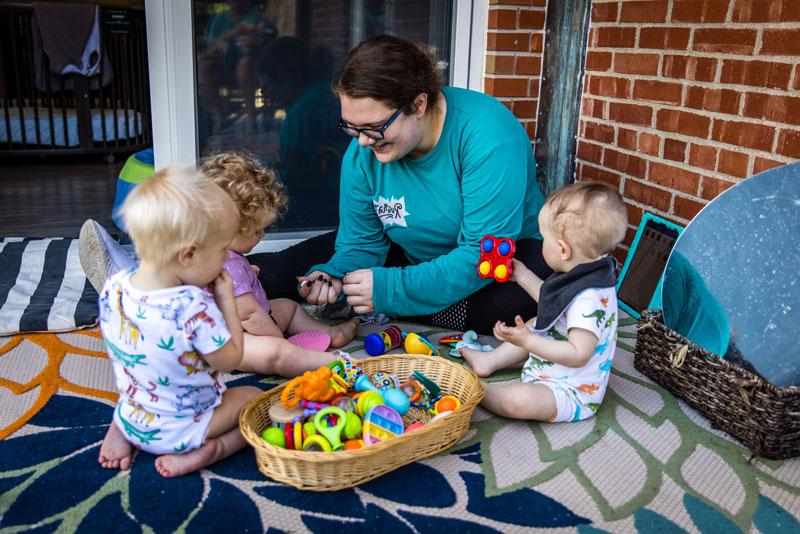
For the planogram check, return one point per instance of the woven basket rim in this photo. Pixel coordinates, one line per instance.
(254, 439)
(656, 317)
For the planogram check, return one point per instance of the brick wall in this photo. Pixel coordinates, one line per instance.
(685, 98)
(514, 45)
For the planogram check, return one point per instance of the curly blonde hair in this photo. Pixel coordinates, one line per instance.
(588, 215)
(254, 188)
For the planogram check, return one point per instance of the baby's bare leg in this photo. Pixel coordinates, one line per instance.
(269, 355)
(292, 319)
(224, 437)
(116, 451)
(486, 363)
(520, 401)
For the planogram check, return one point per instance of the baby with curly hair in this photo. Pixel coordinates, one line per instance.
(260, 198)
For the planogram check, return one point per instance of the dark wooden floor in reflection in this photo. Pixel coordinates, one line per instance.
(51, 197)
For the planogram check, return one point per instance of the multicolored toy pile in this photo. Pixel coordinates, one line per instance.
(339, 407)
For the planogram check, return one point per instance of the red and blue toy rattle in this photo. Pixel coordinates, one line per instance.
(496, 255)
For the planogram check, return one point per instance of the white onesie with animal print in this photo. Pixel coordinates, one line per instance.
(156, 341)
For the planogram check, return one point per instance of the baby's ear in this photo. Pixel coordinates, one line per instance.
(564, 250)
(186, 254)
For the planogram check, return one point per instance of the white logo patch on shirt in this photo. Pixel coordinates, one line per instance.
(392, 211)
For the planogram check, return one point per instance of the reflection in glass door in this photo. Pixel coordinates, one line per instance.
(264, 70)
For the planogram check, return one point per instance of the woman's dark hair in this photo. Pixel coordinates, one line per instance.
(390, 70)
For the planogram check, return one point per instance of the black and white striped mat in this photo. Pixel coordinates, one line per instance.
(42, 287)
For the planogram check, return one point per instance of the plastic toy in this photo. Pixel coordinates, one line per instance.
(496, 255)
(432, 387)
(383, 380)
(391, 397)
(384, 341)
(381, 423)
(451, 339)
(274, 436)
(331, 433)
(312, 340)
(352, 444)
(414, 426)
(352, 426)
(279, 414)
(345, 403)
(316, 443)
(367, 401)
(416, 344)
(412, 389)
(312, 385)
(448, 403)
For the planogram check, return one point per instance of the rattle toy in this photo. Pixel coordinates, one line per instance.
(367, 401)
(416, 344)
(495, 260)
(448, 403)
(394, 398)
(381, 423)
(279, 414)
(384, 341)
(274, 436)
(331, 433)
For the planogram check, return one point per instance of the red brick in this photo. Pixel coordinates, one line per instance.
(649, 144)
(630, 114)
(674, 177)
(638, 11)
(656, 91)
(781, 42)
(502, 19)
(756, 73)
(625, 163)
(789, 143)
(626, 138)
(531, 19)
(593, 108)
(647, 195)
(620, 252)
(510, 87)
(608, 86)
(600, 175)
(508, 41)
(763, 164)
(590, 152)
(530, 129)
(683, 122)
(721, 100)
(499, 64)
(599, 132)
(748, 134)
(507, 103)
(796, 84)
(513, 2)
(636, 63)
(675, 150)
(701, 69)
(732, 41)
(686, 208)
(635, 214)
(598, 60)
(664, 38)
(733, 163)
(524, 109)
(712, 187)
(604, 12)
(699, 10)
(703, 156)
(537, 42)
(534, 87)
(778, 108)
(766, 11)
(529, 65)
(612, 37)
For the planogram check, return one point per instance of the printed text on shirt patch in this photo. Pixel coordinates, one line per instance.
(391, 211)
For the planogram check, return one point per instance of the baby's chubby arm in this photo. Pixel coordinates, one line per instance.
(526, 279)
(574, 352)
(229, 356)
(255, 319)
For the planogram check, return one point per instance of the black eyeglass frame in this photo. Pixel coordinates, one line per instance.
(372, 133)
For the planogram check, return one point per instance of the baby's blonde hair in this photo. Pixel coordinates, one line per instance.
(177, 206)
(590, 216)
(254, 188)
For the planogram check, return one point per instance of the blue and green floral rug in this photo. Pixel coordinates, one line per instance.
(646, 463)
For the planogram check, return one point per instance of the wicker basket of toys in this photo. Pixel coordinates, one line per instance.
(329, 471)
(765, 418)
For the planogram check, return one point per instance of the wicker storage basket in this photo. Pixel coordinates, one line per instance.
(328, 471)
(765, 418)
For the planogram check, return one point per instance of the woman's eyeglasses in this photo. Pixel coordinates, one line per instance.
(372, 133)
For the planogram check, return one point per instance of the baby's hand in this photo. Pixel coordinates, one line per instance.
(513, 334)
(255, 268)
(223, 286)
(519, 271)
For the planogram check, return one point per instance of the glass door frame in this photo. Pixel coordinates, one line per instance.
(173, 83)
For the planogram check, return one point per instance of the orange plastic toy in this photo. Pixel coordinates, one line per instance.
(311, 385)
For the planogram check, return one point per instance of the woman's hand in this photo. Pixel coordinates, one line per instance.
(319, 288)
(358, 288)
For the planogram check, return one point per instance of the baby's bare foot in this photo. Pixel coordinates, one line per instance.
(342, 334)
(115, 452)
(175, 465)
(477, 360)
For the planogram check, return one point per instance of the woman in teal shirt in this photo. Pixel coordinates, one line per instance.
(430, 171)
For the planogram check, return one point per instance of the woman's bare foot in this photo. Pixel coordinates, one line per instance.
(175, 465)
(115, 452)
(342, 334)
(478, 360)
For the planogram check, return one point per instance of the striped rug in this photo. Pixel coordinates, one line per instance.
(42, 286)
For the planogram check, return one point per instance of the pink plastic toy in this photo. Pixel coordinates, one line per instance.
(312, 340)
